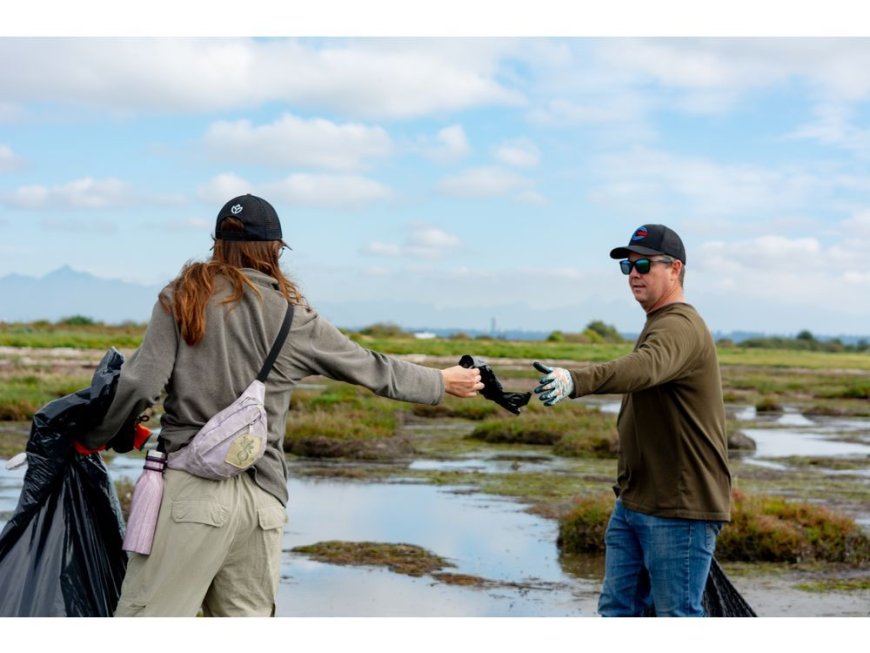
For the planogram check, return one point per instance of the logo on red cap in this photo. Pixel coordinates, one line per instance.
(640, 234)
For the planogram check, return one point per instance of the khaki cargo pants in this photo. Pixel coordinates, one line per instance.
(217, 547)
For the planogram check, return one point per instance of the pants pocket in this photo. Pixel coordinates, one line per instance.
(197, 511)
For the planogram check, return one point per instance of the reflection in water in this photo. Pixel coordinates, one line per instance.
(780, 443)
(482, 536)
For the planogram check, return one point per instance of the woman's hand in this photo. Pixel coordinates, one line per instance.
(461, 382)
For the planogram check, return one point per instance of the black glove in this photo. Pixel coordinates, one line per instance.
(492, 389)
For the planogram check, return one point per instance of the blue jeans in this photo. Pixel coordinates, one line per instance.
(655, 562)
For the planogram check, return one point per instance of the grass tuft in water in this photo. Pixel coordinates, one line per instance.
(406, 559)
(574, 430)
(762, 528)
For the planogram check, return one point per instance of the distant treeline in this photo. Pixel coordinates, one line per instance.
(803, 341)
(595, 332)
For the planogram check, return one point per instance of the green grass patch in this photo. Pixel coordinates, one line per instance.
(582, 529)
(13, 439)
(475, 409)
(772, 529)
(406, 559)
(762, 528)
(835, 585)
(45, 335)
(574, 430)
(768, 404)
(345, 421)
(21, 396)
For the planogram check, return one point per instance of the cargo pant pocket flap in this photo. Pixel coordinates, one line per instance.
(199, 512)
(272, 517)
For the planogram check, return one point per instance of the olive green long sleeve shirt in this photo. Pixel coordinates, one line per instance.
(673, 452)
(203, 379)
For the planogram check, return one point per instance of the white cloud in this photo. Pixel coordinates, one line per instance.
(452, 145)
(653, 182)
(483, 182)
(521, 152)
(222, 188)
(8, 159)
(327, 191)
(857, 226)
(291, 140)
(85, 193)
(832, 66)
(314, 190)
(391, 78)
(424, 241)
(771, 271)
(833, 126)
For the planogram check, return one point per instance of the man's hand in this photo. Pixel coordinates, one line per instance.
(461, 382)
(555, 386)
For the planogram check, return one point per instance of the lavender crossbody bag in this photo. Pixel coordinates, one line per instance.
(235, 438)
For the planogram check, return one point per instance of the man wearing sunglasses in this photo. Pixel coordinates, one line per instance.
(673, 483)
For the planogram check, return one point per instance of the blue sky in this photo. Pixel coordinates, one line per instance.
(457, 172)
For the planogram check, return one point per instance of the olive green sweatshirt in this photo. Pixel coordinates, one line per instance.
(204, 379)
(673, 452)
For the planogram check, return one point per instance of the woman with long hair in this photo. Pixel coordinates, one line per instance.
(217, 544)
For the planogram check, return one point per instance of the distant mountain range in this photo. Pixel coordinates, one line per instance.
(66, 292)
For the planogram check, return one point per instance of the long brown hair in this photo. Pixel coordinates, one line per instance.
(195, 284)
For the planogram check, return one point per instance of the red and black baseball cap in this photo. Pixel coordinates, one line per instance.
(259, 218)
(653, 239)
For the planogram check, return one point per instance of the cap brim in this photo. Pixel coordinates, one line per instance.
(623, 252)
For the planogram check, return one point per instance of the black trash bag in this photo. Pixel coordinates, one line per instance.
(721, 598)
(60, 553)
(492, 389)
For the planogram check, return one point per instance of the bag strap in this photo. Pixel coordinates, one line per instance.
(276, 346)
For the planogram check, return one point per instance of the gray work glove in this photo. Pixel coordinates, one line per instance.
(555, 386)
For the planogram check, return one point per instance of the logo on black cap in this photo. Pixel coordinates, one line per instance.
(259, 220)
(640, 233)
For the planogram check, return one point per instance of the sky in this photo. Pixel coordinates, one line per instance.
(462, 172)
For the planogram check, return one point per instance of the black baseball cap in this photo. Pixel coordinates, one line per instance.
(259, 218)
(653, 239)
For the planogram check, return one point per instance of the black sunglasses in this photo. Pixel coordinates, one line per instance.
(642, 265)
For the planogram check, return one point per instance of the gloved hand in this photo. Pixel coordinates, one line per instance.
(555, 386)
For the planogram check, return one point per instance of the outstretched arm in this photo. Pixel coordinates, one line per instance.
(461, 382)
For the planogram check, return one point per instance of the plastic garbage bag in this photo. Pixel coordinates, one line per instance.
(492, 388)
(60, 553)
(721, 598)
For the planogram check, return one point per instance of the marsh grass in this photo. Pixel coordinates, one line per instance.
(582, 529)
(768, 404)
(574, 430)
(47, 335)
(12, 442)
(835, 585)
(22, 395)
(772, 529)
(474, 409)
(407, 559)
(344, 421)
(762, 528)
